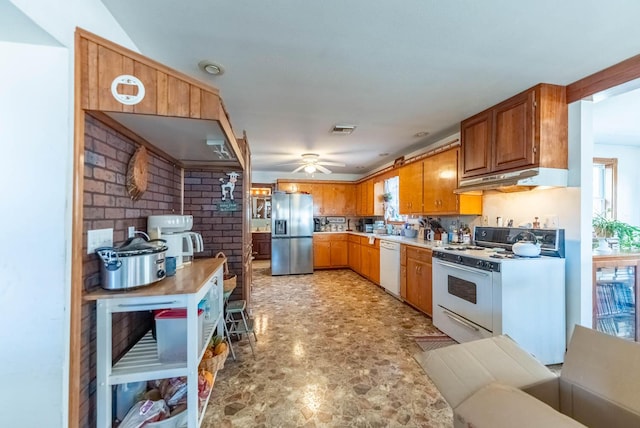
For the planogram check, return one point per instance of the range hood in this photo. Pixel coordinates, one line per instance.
(516, 181)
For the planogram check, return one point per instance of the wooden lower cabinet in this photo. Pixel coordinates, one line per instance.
(354, 253)
(370, 260)
(261, 243)
(330, 251)
(419, 293)
(403, 271)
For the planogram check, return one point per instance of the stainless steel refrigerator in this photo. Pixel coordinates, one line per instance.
(291, 233)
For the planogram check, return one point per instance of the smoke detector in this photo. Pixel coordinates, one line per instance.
(343, 129)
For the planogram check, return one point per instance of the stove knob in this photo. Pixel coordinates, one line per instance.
(479, 263)
(459, 259)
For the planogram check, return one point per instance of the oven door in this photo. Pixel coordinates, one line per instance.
(465, 291)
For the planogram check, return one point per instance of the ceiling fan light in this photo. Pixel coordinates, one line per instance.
(310, 169)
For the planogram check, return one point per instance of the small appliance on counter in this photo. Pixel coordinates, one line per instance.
(368, 225)
(317, 224)
(135, 263)
(176, 230)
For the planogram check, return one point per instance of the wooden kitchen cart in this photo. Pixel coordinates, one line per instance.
(203, 278)
(615, 294)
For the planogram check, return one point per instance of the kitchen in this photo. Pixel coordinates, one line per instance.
(568, 198)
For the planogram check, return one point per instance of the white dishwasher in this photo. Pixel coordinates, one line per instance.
(390, 267)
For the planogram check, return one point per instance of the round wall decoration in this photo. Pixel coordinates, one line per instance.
(137, 175)
(127, 80)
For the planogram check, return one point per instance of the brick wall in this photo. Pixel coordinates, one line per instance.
(221, 231)
(108, 205)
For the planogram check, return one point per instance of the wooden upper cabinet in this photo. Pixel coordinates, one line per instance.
(410, 184)
(527, 130)
(475, 134)
(513, 144)
(366, 197)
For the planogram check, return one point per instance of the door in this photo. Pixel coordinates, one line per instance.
(301, 255)
(280, 256)
(280, 215)
(301, 215)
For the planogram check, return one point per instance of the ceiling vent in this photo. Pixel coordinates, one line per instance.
(343, 129)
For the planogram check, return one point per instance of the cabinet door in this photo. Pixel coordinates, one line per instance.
(426, 295)
(410, 188)
(365, 261)
(354, 256)
(375, 265)
(334, 199)
(339, 254)
(413, 282)
(445, 175)
(350, 200)
(321, 254)
(366, 194)
(403, 282)
(513, 138)
(475, 137)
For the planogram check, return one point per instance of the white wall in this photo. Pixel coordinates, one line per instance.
(628, 191)
(33, 255)
(36, 137)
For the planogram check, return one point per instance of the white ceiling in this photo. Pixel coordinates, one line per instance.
(296, 68)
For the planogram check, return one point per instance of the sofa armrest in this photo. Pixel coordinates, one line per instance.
(502, 406)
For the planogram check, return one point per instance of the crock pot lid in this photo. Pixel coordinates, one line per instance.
(136, 246)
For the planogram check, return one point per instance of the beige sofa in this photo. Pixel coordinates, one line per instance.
(495, 383)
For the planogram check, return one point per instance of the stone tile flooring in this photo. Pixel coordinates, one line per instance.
(333, 350)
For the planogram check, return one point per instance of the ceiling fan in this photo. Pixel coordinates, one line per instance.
(311, 163)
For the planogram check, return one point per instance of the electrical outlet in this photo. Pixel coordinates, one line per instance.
(99, 238)
(131, 230)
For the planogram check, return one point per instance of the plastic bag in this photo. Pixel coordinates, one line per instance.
(143, 412)
(174, 390)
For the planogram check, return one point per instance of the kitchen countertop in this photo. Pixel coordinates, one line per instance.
(261, 231)
(393, 238)
(187, 280)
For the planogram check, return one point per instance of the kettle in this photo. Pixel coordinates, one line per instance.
(526, 247)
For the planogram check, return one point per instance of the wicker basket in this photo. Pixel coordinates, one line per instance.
(214, 364)
(229, 278)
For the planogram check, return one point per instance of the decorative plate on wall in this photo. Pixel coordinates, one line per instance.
(137, 175)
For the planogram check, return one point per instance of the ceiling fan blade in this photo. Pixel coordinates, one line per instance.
(330, 163)
(300, 168)
(322, 169)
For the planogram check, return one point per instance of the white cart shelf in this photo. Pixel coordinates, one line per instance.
(203, 278)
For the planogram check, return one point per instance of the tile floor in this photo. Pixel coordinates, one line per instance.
(333, 350)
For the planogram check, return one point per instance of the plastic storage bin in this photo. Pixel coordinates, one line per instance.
(171, 334)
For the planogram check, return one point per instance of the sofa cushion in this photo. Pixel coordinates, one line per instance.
(458, 371)
(498, 406)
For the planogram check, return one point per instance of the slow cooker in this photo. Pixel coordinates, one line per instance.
(135, 263)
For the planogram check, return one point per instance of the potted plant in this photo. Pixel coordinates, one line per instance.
(387, 196)
(604, 228)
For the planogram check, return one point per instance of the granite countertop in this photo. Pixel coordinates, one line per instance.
(393, 238)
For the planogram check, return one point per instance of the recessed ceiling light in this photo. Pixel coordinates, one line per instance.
(211, 67)
(421, 134)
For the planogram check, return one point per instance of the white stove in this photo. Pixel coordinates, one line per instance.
(484, 290)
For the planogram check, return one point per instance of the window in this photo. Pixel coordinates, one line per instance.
(392, 193)
(604, 187)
